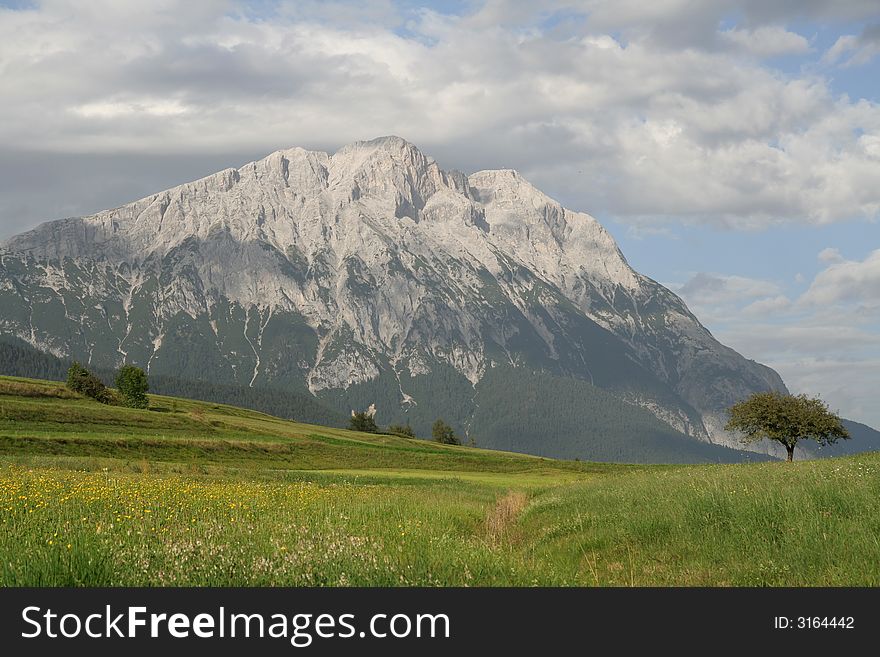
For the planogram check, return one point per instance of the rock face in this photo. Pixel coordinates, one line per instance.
(368, 270)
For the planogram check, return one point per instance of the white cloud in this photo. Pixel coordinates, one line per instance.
(820, 356)
(841, 47)
(871, 145)
(848, 385)
(768, 306)
(665, 12)
(767, 41)
(772, 342)
(855, 50)
(114, 109)
(716, 298)
(602, 111)
(847, 281)
(719, 289)
(830, 255)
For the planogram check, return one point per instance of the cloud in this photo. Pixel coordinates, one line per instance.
(848, 385)
(768, 306)
(63, 184)
(830, 255)
(716, 298)
(693, 22)
(755, 12)
(847, 281)
(767, 41)
(705, 287)
(855, 50)
(773, 341)
(589, 99)
(112, 110)
(819, 356)
(827, 340)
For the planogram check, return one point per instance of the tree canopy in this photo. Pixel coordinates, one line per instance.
(80, 380)
(785, 419)
(363, 421)
(402, 430)
(443, 433)
(131, 382)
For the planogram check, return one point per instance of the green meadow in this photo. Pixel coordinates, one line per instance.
(194, 493)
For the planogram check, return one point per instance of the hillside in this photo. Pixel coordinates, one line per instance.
(195, 493)
(17, 358)
(44, 418)
(512, 410)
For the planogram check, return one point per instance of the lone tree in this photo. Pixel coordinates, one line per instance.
(363, 421)
(785, 419)
(132, 384)
(443, 433)
(80, 380)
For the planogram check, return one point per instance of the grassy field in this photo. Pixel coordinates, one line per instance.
(189, 493)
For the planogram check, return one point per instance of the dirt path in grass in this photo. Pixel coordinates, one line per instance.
(500, 517)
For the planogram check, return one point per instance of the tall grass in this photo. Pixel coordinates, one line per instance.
(774, 524)
(106, 529)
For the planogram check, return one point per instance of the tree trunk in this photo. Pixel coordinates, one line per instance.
(790, 449)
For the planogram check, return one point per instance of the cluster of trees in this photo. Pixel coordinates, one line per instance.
(20, 359)
(363, 421)
(299, 405)
(402, 430)
(17, 358)
(131, 386)
(546, 415)
(443, 433)
(366, 421)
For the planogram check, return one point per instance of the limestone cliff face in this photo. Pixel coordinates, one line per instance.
(331, 271)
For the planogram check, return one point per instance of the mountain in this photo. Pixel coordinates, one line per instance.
(374, 276)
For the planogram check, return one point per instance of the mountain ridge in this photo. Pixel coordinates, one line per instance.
(370, 264)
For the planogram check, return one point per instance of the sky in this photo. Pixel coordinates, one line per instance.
(731, 146)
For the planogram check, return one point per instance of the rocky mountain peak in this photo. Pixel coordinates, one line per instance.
(346, 271)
